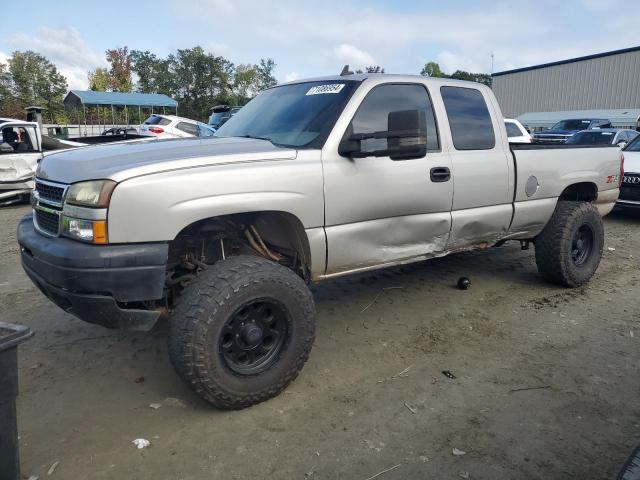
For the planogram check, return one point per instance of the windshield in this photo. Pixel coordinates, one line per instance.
(216, 118)
(634, 145)
(592, 137)
(298, 115)
(572, 125)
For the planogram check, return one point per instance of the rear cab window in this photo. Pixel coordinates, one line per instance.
(469, 118)
(156, 120)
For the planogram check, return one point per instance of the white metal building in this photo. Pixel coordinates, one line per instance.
(609, 80)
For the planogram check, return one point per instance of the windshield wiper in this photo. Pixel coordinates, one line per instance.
(254, 137)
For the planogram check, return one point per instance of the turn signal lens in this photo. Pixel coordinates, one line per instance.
(100, 231)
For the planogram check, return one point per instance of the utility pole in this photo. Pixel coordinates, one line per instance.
(491, 55)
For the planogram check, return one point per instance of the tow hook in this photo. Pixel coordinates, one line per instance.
(524, 244)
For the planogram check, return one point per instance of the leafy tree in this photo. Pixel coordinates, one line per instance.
(265, 74)
(99, 80)
(121, 68)
(9, 105)
(432, 69)
(374, 69)
(472, 77)
(202, 80)
(36, 81)
(246, 79)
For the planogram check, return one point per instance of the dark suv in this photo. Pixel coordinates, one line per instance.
(220, 114)
(565, 128)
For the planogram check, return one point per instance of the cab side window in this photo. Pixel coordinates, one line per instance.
(16, 140)
(512, 130)
(469, 118)
(373, 114)
(188, 128)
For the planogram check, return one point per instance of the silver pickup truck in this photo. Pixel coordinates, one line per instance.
(311, 181)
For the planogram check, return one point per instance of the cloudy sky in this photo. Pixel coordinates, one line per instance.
(308, 38)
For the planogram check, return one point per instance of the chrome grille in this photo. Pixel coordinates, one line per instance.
(47, 221)
(49, 192)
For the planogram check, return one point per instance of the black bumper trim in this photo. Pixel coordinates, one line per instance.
(129, 273)
(98, 309)
(93, 281)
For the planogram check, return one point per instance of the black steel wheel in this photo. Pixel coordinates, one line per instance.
(253, 336)
(582, 244)
(242, 331)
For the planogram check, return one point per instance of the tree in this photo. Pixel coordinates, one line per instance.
(432, 69)
(265, 74)
(246, 80)
(36, 81)
(202, 80)
(99, 80)
(121, 68)
(374, 69)
(472, 77)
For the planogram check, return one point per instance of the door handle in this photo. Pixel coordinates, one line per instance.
(440, 174)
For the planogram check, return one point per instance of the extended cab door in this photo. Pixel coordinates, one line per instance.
(483, 170)
(378, 210)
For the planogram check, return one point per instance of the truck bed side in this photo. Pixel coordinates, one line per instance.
(546, 172)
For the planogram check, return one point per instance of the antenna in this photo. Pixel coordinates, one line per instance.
(345, 71)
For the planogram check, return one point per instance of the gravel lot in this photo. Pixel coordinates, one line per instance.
(547, 386)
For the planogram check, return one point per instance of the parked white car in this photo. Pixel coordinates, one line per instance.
(171, 126)
(516, 132)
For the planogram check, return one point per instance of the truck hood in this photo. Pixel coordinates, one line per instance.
(122, 161)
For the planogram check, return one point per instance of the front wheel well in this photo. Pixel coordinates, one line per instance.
(275, 235)
(580, 192)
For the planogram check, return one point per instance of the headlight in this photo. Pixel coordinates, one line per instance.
(92, 231)
(95, 193)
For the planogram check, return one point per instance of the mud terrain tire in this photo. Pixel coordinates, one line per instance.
(569, 249)
(242, 331)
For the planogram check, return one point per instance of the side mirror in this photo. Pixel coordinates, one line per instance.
(622, 144)
(6, 148)
(406, 138)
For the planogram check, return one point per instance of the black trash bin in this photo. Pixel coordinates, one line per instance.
(10, 336)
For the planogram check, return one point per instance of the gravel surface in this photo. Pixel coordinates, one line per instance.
(546, 380)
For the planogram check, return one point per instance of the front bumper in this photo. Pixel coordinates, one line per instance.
(102, 284)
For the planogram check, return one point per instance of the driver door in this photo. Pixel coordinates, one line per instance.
(380, 211)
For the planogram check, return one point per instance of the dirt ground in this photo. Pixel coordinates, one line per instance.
(547, 380)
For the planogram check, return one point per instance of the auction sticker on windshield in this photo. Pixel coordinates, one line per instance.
(328, 88)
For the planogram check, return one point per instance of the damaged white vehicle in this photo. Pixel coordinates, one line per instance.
(20, 152)
(22, 146)
(310, 181)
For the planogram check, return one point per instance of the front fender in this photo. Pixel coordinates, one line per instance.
(157, 207)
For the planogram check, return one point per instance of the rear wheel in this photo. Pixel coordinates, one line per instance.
(569, 249)
(242, 331)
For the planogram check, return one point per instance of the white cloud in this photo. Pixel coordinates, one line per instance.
(519, 32)
(291, 76)
(353, 56)
(65, 48)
